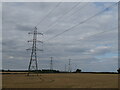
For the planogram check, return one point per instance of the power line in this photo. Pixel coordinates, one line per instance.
(82, 22)
(51, 25)
(48, 14)
(98, 33)
(85, 5)
(61, 17)
(101, 32)
(69, 65)
(97, 14)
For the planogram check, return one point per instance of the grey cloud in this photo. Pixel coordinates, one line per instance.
(19, 17)
(23, 28)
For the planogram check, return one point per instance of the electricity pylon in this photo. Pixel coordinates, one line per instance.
(33, 67)
(51, 63)
(65, 67)
(69, 68)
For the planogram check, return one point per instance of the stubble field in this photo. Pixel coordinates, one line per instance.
(60, 80)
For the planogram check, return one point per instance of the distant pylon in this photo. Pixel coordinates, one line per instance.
(33, 67)
(51, 63)
(69, 68)
(65, 67)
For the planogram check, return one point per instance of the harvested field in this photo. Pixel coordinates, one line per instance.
(60, 80)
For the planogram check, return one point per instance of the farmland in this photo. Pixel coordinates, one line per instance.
(60, 80)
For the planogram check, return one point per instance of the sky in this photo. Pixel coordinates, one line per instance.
(92, 45)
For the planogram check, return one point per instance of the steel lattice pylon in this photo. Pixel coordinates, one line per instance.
(33, 67)
(69, 69)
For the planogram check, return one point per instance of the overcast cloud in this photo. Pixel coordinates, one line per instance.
(91, 46)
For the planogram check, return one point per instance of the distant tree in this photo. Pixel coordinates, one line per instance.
(118, 70)
(78, 70)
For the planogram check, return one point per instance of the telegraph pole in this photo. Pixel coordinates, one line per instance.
(69, 68)
(33, 67)
(51, 63)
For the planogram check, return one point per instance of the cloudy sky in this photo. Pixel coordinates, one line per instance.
(91, 42)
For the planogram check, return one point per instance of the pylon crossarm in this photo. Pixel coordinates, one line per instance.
(35, 41)
(39, 49)
(35, 49)
(35, 33)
